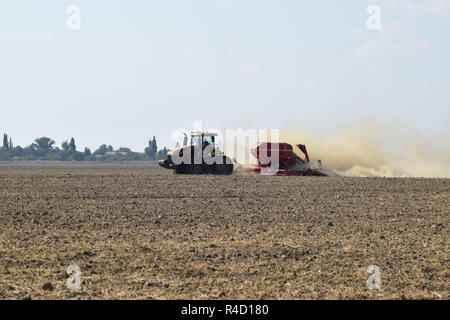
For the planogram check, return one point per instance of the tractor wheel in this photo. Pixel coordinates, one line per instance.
(181, 169)
(197, 169)
(225, 169)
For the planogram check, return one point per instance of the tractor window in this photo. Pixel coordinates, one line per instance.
(196, 141)
(207, 140)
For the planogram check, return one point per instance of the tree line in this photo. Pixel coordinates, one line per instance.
(45, 148)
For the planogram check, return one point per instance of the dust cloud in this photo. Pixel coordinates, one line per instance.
(373, 150)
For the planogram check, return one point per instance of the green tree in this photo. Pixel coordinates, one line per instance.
(65, 146)
(72, 146)
(78, 156)
(152, 149)
(154, 146)
(102, 150)
(41, 147)
(87, 152)
(5, 141)
(162, 154)
(16, 152)
(4, 154)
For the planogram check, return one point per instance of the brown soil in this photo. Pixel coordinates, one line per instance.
(148, 234)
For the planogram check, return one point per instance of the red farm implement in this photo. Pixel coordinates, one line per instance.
(289, 163)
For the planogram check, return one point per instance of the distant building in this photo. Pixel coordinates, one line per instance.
(113, 153)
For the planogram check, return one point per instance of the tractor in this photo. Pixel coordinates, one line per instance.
(198, 155)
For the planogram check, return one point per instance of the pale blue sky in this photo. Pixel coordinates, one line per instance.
(142, 67)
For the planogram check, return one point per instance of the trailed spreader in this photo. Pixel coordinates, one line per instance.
(289, 163)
